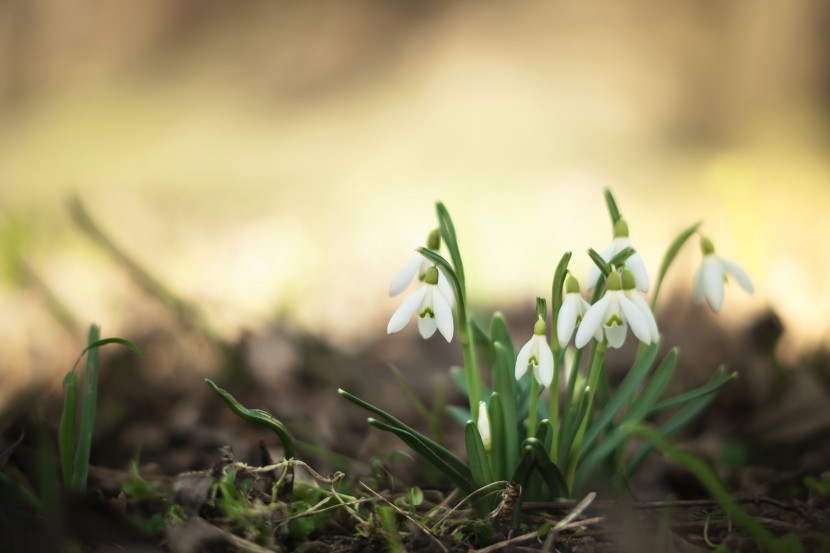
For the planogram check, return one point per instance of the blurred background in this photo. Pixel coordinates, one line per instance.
(277, 162)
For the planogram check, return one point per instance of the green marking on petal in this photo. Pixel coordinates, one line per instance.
(533, 361)
(428, 312)
(614, 320)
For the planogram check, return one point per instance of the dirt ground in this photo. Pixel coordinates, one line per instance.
(767, 436)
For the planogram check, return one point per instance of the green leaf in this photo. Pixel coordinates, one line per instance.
(571, 427)
(105, 341)
(504, 383)
(557, 287)
(89, 399)
(621, 257)
(626, 389)
(477, 457)
(551, 474)
(458, 478)
(438, 449)
(258, 416)
(671, 253)
(657, 384)
(66, 428)
(602, 265)
(541, 308)
(447, 230)
(613, 211)
(498, 437)
(720, 379)
(499, 332)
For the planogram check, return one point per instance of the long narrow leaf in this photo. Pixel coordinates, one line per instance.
(680, 419)
(429, 455)
(499, 332)
(551, 473)
(438, 449)
(258, 416)
(613, 210)
(499, 445)
(66, 428)
(557, 286)
(720, 379)
(671, 253)
(447, 229)
(477, 457)
(504, 383)
(449, 272)
(626, 389)
(657, 384)
(89, 399)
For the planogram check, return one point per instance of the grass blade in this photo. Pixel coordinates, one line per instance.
(66, 427)
(258, 416)
(613, 210)
(456, 477)
(500, 445)
(442, 452)
(671, 253)
(626, 389)
(480, 469)
(88, 404)
(720, 379)
(504, 383)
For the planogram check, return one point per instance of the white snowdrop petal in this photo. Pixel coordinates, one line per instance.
(405, 311)
(637, 267)
(592, 320)
(445, 288)
(615, 335)
(523, 359)
(544, 370)
(635, 318)
(405, 275)
(427, 326)
(443, 315)
(645, 311)
(713, 282)
(740, 275)
(697, 285)
(566, 321)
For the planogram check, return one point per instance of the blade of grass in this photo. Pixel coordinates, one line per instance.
(258, 416)
(499, 445)
(66, 427)
(671, 253)
(456, 477)
(477, 457)
(88, 405)
(504, 384)
(613, 210)
(445, 454)
(720, 379)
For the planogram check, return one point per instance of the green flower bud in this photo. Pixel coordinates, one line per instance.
(706, 246)
(614, 281)
(621, 229)
(571, 285)
(628, 282)
(434, 240)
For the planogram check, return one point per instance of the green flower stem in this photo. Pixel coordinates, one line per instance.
(531, 412)
(593, 378)
(553, 406)
(470, 364)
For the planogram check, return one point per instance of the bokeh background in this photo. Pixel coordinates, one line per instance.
(276, 162)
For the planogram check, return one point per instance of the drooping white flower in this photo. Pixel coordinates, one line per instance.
(417, 267)
(483, 426)
(571, 312)
(536, 353)
(631, 292)
(634, 263)
(709, 279)
(613, 313)
(433, 308)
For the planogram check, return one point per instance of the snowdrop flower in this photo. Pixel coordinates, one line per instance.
(417, 267)
(712, 274)
(433, 308)
(571, 312)
(536, 353)
(614, 312)
(630, 291)
(483, 425)
(634, 263)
